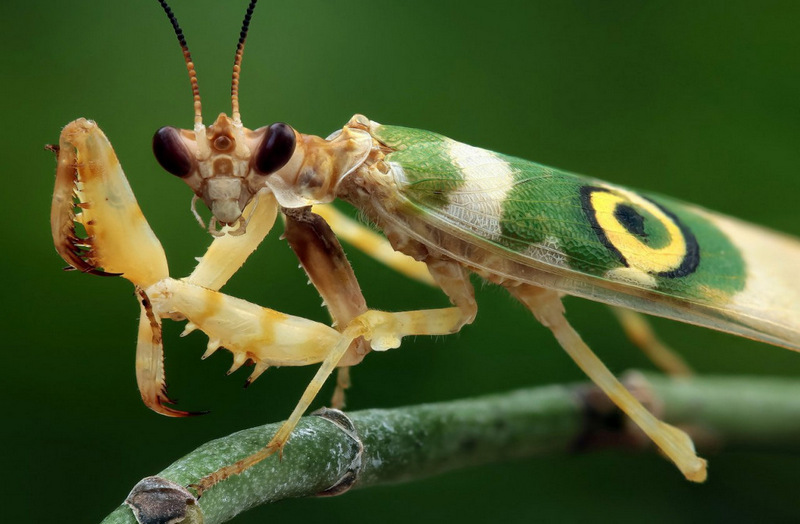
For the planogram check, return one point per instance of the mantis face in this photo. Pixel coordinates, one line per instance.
(225, 164)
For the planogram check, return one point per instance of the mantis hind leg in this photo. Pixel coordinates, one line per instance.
(547, 308)
(640, 332)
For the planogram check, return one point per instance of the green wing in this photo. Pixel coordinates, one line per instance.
(593, 239)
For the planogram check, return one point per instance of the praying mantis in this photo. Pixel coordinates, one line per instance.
(433, 219)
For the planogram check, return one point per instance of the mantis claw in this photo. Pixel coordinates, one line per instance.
(96, 223)
(98, 228)
(65, 214)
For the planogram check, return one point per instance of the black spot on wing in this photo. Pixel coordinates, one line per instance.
(634, 223)
(631, 220)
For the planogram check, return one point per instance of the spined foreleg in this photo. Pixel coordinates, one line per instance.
(384, 331)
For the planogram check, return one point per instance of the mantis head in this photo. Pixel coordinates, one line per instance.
(226, 164)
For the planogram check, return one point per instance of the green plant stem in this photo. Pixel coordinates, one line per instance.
(414, 442)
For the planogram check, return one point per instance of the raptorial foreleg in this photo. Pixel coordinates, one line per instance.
(227, 253)
(384, 331)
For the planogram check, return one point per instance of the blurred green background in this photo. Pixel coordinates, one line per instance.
(698, 100)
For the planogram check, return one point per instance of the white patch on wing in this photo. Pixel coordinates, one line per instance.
(477, 204)
(397, 172)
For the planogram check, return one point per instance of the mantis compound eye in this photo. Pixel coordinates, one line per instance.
(275, 149)
(171, 152)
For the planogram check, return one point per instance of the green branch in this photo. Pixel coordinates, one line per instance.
(419, 441)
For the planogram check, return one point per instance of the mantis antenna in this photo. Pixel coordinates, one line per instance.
(237, 64)
(198, 114)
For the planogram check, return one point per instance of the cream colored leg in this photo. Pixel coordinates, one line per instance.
(227, 253)
(150, 361)
(639, 331)
(547, 308)
(271, 338)
(250, 332)
(384, 331)
(117, 240)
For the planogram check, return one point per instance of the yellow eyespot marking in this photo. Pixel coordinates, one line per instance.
(644, 236)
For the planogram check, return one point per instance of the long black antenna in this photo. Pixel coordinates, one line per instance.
(198, 114)
(237, 63)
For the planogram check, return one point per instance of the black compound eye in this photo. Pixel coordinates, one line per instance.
(171, 152)
(275, 149)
